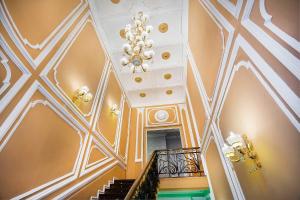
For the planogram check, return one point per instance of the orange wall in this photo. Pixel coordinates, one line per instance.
(244, 80)
(44, 136)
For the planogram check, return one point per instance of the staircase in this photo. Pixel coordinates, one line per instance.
(117, 190)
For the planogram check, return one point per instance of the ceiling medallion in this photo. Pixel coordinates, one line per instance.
(169, 92)
(167, 76)
(142, 94)
(137, 51)
(122, 33)
(115, 1)
(163, 27)
(161, 116)
(165, 55)
(138, 79)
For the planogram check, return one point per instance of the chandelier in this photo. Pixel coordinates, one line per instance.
(137, 51)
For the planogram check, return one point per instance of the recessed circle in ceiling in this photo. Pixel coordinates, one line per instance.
(142, 94)
(138, 79)
(165, 55)
(167, 76)
(122, 33)
(169, 92)
(161, 116)
(115, 1)
(163, 27)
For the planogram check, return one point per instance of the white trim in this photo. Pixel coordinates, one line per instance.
(189, 125)
(182, 124)
(128, 135)
(5, 100)
(294, 43)
(166, 123)
(139, 111)
(79, 185)
(194, 121)
(119, 126)
(56, 35)
(285, 57)
(62, 112)
(230, 7)
(54, 63)
(284, 97)
(87, 168)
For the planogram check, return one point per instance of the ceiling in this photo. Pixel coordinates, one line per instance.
(112, 15)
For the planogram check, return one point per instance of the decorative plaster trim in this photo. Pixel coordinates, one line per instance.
(230, 29)
(87, 168)
(230, 7)
(136, 159)
(4, 101)
(55, 35)
(54, 62)
(290, 61)
(193, 117)
(274, 85)
(128, 136)
(119, 126)
(156, 124)
(183, 128)
(61, 111)
(79, 185)
(275, 29)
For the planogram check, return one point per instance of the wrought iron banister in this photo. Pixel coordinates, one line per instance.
(173, 163)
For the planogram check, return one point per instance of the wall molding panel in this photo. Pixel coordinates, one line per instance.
(13, 90)
(234, 9)
(290, 61)
(53, 64)
(139, 137)
(13, 122)
(48, 44)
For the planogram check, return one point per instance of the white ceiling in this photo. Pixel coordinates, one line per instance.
(111, 18)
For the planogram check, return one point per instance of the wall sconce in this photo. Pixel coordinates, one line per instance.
(82, 95)
(115, 110)
(239, 148)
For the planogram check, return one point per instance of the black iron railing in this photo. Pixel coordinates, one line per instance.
(164, 164)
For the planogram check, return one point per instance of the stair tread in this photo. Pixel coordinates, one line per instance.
(117, 190)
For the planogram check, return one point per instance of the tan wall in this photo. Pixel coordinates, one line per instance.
(48, 144)
(257, 94)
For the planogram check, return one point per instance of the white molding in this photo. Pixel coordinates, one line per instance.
(128, 135)
(280, 92)
(184, 106)
(148, 111)
(54, 63)
(136, 159)
(194, 121)
(119, 126)
(211, 190)
(5, 100)
(293, 42)
(55, 36)
(14, 121)
(285, 57)
(104, 187)
(183, 128)
(218, 17)
(230, 7)
(87, 168)
(79, 185)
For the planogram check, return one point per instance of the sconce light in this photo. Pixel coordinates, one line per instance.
(114, 109)
(239, 148)
(82, 95)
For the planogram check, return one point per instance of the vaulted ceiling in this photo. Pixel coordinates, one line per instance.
(112, 16)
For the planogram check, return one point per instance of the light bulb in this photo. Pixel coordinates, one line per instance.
(137, 23)
(144, 35)
(228, 151)
(87, 97)
(149, 43)
(126, 47)
(145, 66)
(141, 43)
(127, 27)
(124, 61)
(149, 28)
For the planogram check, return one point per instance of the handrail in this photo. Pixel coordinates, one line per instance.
(165, 163)
(130, 195)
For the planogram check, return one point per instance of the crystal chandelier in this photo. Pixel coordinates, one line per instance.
(137, 51)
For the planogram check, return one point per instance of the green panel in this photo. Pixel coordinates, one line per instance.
(184, 195)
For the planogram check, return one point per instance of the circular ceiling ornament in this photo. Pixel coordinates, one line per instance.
(167, 76)
(165, 55)
(115, 1)
(161, 116)
(142, 94)
(122, 33)
(169, 92)
(138, 79)
(163, 27)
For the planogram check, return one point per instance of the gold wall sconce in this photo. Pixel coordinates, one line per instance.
(82, 95)
(115, 110)
(240, 148)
